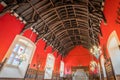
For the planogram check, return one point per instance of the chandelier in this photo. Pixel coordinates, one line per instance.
(96, 51)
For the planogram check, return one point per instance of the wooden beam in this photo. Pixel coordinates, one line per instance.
(52, 3)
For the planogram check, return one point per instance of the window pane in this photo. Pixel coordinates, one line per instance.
(11, 58)
(16, 61)
(21, 49)
(16, 48)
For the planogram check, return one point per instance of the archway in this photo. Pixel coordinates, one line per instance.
(114, 51)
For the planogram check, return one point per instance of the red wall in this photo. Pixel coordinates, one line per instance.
(41, 55)
(30, 34)
(9, 28)
(78, 56)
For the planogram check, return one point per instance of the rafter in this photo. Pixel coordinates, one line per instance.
(63, 22)
(57, 15)
(52, 3)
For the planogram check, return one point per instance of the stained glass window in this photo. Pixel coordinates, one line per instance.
(18, 55)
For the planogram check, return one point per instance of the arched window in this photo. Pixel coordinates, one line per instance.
(114, 51)
(19, 56)
(19, 53)
(49, 66)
